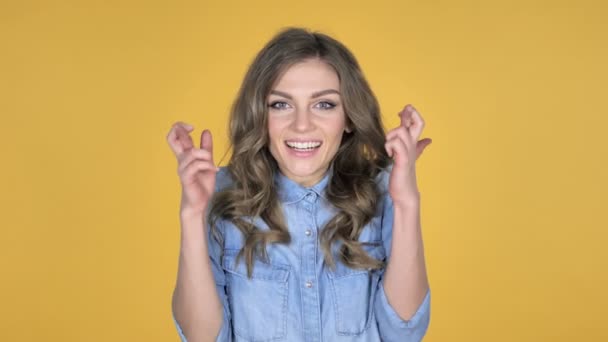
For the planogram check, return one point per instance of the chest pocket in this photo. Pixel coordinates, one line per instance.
(354, 291)
(258, 305)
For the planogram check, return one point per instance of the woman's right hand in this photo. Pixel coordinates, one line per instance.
(195, 167)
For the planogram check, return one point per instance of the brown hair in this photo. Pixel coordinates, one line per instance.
(360, 157)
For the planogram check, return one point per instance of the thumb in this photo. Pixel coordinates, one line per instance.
(421, 145)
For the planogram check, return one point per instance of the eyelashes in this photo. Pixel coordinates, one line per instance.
(274, 104)
(280, 105)
(327, 105)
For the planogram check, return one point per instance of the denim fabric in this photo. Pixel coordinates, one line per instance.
(296, 296)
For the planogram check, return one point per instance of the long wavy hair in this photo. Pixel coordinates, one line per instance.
(360, 157)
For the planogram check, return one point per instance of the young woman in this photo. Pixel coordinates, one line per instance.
(312, 231)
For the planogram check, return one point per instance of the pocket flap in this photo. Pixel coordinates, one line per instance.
(261, 269)
(376, 252)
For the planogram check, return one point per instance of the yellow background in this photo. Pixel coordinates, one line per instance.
(513, 186)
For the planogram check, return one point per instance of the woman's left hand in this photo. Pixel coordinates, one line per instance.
(403, 146)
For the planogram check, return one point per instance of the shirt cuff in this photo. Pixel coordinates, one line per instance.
(386, 313)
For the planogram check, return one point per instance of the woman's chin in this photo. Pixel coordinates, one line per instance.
(305, 175)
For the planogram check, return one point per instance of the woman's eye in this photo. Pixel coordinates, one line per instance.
(326, 105)
(278, 105)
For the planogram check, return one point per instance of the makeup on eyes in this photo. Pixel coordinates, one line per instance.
(328, 105)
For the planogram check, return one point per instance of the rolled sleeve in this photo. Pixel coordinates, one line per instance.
(393, 328)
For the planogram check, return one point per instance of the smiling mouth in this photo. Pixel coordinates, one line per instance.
(303, 146)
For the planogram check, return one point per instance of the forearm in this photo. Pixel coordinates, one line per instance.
(405, 279)
(196, 305)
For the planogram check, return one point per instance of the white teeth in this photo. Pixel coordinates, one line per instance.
(303, 145)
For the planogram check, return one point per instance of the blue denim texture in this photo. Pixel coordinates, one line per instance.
(296, 296)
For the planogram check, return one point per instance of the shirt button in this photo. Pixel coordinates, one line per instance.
(308, 284)
(308, 232)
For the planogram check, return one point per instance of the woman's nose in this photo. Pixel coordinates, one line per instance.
(302, 120)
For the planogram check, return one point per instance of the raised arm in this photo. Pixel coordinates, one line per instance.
(403, 305)
(198, 301)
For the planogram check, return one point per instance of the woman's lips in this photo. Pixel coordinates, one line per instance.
(303, 148)
(303, 144)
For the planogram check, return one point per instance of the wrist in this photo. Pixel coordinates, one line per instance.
(188, 213)
(409, 201)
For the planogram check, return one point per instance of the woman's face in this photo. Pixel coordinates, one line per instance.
(306, 120)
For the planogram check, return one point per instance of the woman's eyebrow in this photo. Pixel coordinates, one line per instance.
(314, 95)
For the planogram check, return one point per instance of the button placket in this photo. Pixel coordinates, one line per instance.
(310, 297)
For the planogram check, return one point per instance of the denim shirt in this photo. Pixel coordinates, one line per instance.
(296, 297)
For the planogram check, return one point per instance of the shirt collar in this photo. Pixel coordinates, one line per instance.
(290, 191)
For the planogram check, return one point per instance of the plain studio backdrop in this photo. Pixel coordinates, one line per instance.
(513, 186)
